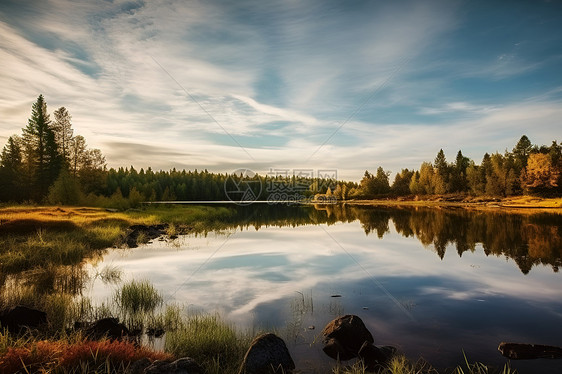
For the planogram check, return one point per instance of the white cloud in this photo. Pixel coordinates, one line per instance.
(122, 74)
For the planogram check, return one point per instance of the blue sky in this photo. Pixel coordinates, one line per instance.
(346, 85)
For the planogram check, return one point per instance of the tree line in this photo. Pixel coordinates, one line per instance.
(527, 169)
(48, 163)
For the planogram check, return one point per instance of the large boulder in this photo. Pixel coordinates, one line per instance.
(375, 358)
(344, 337)
(267, 354)
(520, 351)
(106, 328)
(20, 317)
(184, 365)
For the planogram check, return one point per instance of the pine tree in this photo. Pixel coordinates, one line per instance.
(458, 181)
(441, 163)
(10, 169)
(63, 132)
(522, 151)
(41, 152)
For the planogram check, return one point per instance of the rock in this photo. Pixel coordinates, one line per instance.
(334, 349)
(184, 365)
(107, 327)
(20, 317)
(150, 232)
(375, 357)
(138, 366)
(267, 354)
(519, 351)
(344, 337)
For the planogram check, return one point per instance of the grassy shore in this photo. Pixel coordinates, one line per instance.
(39, 237)
(515, 203)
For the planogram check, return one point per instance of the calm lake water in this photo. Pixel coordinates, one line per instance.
(432, 282)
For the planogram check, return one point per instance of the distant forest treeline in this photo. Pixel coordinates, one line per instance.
(48, 163)
(527, 169)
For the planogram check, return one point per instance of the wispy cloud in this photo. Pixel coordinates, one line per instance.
(279, 78)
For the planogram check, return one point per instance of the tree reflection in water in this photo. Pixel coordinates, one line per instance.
(528, 238)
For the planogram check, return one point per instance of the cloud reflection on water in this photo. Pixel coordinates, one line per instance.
(470, 302)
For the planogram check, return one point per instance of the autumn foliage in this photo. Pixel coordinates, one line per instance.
(47, 356)
(541, 173)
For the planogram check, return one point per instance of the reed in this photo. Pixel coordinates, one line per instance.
(137, 296)
(215, 344)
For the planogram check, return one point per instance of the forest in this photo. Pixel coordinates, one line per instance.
(527, 170)
(48, 163)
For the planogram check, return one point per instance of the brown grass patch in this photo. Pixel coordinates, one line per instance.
(47, 355)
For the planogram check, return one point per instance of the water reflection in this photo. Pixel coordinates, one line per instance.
(467, 279)
(528, 239)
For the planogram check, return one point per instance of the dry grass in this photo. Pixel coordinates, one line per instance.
(532, 202)
(30, 219)
(32, 237)
(63, 356)
(516, 204)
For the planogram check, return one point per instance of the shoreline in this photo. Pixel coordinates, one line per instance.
(519, 203)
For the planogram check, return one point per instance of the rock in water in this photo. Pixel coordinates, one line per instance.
(519, 351)
(344, 337)
(375, 357)
(267, 354)
(107, 327)
(19, 317)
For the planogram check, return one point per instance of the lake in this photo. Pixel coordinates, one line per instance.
(433, 282)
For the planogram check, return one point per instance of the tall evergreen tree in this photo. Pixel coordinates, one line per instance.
(441, 163)
(62, 128)
(442, 169)
(10, 170)
(459, 182)
(42, 156)
(522, 151)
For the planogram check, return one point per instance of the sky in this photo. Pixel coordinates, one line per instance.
(286, 85)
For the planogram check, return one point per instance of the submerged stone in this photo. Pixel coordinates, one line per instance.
(345, 336)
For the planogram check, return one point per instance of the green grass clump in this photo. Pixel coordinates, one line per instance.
(399, 364)
(213, 343)
(480, 368)
(138, 296)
